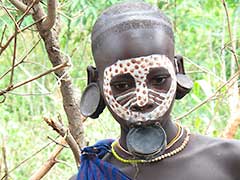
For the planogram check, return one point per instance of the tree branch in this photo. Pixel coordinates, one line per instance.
(230, 34)
(4, 153)
(28, 158)
(203, 68)
(49, 22)
(70, 97)
(59, 128)
(10, 88)
(22, 59)
(50, 162)
(11, 17)
(21, 6)
(3, 33)
(14, 58)
(209, 98)
(21, 30)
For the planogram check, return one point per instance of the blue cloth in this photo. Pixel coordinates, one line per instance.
(94, 168)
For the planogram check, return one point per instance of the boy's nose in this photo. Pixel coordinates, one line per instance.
(142, 94)
(146, 108)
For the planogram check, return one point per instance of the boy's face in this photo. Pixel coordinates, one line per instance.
(140, 89)
(137, 76)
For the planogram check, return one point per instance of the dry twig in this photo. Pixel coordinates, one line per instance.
(25, 160)
(49, 22)
(234, 121)
(25, 13)
(230, 34)
(14, 58)
(56, 68)
(210, 97)
(203, 69)
(50, 162)
(56, 142)
(11, 17)
(4, 153)
(22, 59)
(59, 128)
(3, 33)
(21, 6)
(3, 47)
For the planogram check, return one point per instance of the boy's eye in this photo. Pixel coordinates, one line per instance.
(121, 83)
(121, 86)
(158, 80)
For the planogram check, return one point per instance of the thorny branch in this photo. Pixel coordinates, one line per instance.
(58, 143)
(70, 100)
(46, 23)
(50, 39)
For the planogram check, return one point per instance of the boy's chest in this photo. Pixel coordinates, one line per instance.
(184, 174)
(195, 170)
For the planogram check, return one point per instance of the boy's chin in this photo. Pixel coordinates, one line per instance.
(128, 123)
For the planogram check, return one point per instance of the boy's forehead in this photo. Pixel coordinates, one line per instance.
(132, 44)
(139, 67)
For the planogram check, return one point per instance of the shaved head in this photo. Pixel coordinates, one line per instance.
(131, 29)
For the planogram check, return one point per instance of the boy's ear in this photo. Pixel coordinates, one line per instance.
(92, 103)
(184, 83)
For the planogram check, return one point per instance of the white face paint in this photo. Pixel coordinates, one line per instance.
(141, 95)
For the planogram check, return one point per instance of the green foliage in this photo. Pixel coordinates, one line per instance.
(200, 30)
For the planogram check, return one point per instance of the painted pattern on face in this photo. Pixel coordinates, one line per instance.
(141, 95)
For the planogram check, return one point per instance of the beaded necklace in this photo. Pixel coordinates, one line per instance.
(163, 156)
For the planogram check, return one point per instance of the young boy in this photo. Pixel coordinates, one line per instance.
(138, 77)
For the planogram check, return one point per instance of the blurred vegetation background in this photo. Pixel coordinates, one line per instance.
(201, 36)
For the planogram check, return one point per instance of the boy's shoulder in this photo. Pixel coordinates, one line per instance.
(215, 148)
(214, 142)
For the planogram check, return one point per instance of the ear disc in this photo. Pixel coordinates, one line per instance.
(92, 103)
(184, 85)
